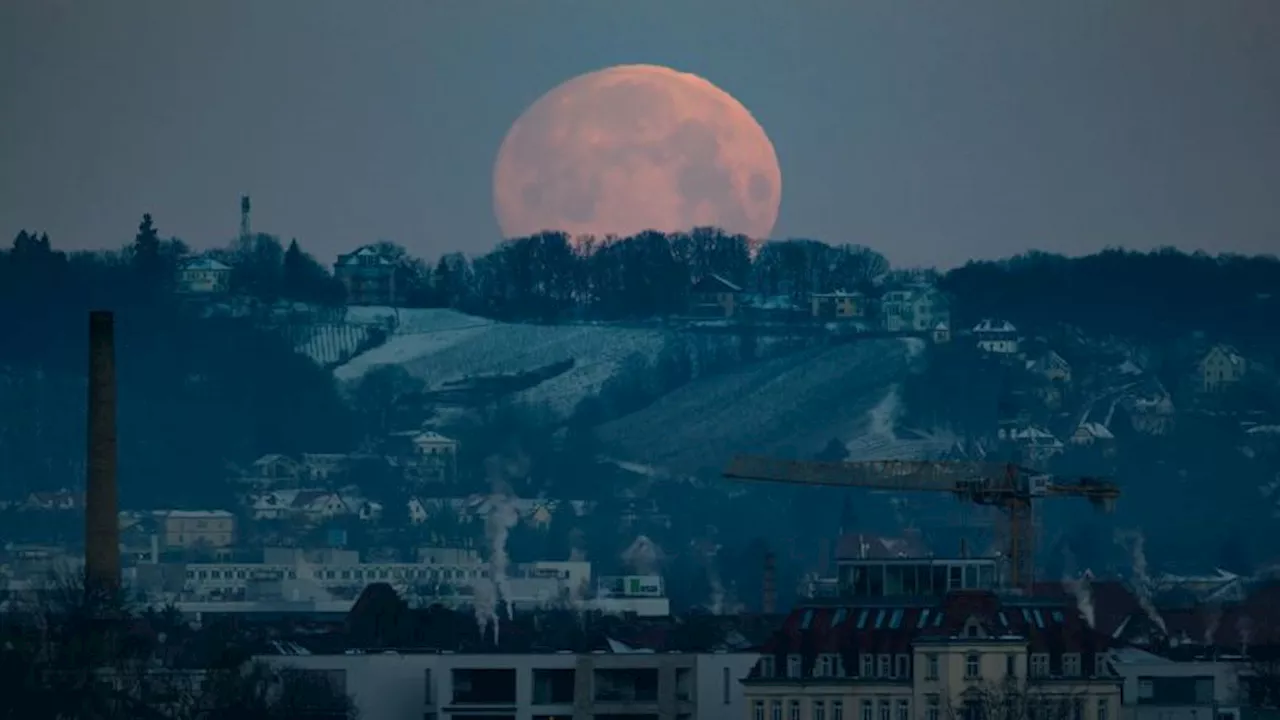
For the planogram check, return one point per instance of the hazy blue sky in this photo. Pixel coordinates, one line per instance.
(934, 131)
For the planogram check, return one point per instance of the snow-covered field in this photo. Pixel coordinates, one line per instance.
(444, 345)
(789, 406)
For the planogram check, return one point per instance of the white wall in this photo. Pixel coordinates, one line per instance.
(393, 686)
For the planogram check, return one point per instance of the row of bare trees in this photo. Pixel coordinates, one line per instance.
(90, 656)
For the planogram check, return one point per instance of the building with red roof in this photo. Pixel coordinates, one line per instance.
(918, 658)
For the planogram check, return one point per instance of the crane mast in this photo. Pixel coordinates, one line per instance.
(1009, 487)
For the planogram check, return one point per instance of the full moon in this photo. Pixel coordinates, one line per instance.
(632, 148)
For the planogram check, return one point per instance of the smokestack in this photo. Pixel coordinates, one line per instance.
(101, 522)
(770, 602)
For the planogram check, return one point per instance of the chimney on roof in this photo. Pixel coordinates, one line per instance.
(770, 601)
(101, 524)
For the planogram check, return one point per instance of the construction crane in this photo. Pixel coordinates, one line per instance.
(1009, 487)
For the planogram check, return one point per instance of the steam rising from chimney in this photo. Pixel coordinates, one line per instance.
(101, 521)
(1141, 580)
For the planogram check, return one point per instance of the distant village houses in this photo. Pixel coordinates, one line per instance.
(838, 305)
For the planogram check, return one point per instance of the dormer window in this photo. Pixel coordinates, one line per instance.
(973, 629)
(1039, 665)
(793, 666)
(868, 666)
(885, 668)
(766, 666)
(1101, 665)
(1071, 664)
(825, 666)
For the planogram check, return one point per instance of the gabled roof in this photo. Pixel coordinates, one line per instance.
(204, 263)
(367, 251)
(714, 283)
(989, 325)
(1231, 354)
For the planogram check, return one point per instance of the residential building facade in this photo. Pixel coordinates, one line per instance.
(838, 305)
(964, 656)
(917, 308)
(998, 337)
(714, 296)
(204, 276)
(1220, 368)
(368, 276)
(188, 529)
(536, 686)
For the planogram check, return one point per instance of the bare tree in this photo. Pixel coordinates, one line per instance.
(1012, 700)
(72, 653)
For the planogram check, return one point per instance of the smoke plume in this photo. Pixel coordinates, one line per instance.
(1081, 590)
(643, 556)
(1244, 628)
(1135, 543)
(1211, 626)
(501, 517)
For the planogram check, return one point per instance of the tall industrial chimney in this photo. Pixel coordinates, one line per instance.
(101, 522)
(770, 600)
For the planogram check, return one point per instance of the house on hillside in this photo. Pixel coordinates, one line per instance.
(425, 456)
(714, 296)
(1036, 443)
(189, 529)
(1051, 367)
(204, 276)
(998, 337)
(915, 308)
(368, 276)
(941, 333)
(1220, 368)
(838, 305)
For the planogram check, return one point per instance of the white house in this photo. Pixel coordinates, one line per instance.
(204, 276)
(999, 337)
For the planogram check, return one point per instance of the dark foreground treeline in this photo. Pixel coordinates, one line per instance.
(71, 654)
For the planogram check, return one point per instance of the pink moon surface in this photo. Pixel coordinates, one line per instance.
(633, 148)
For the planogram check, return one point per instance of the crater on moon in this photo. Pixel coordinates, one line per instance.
(633, 148)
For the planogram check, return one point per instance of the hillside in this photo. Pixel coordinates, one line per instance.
(792, 406)
(445, 346)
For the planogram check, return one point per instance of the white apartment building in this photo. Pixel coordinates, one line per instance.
(637, 685)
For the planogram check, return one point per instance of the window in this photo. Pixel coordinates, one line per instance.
(884, 666)
(901, 670)
(1071, 664)
(1077, 709)
(766, 666)
(1146, 689)
(725, 685)
(931, 666)
(1039, 665)
(1101, 665)
(825, 666)
(793, 666)
(837, 710)
(972, 666)
(776, 710)
(1103, 707)
(794, 713)
(426, 687)
(868, 666)
(1011, 665)
(904, 710)
(867, 712)
(933, 708)
(884, 710)
(819, 710)
(757, 710)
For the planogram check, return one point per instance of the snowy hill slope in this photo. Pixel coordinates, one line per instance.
(442, 346)
(791, 406)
